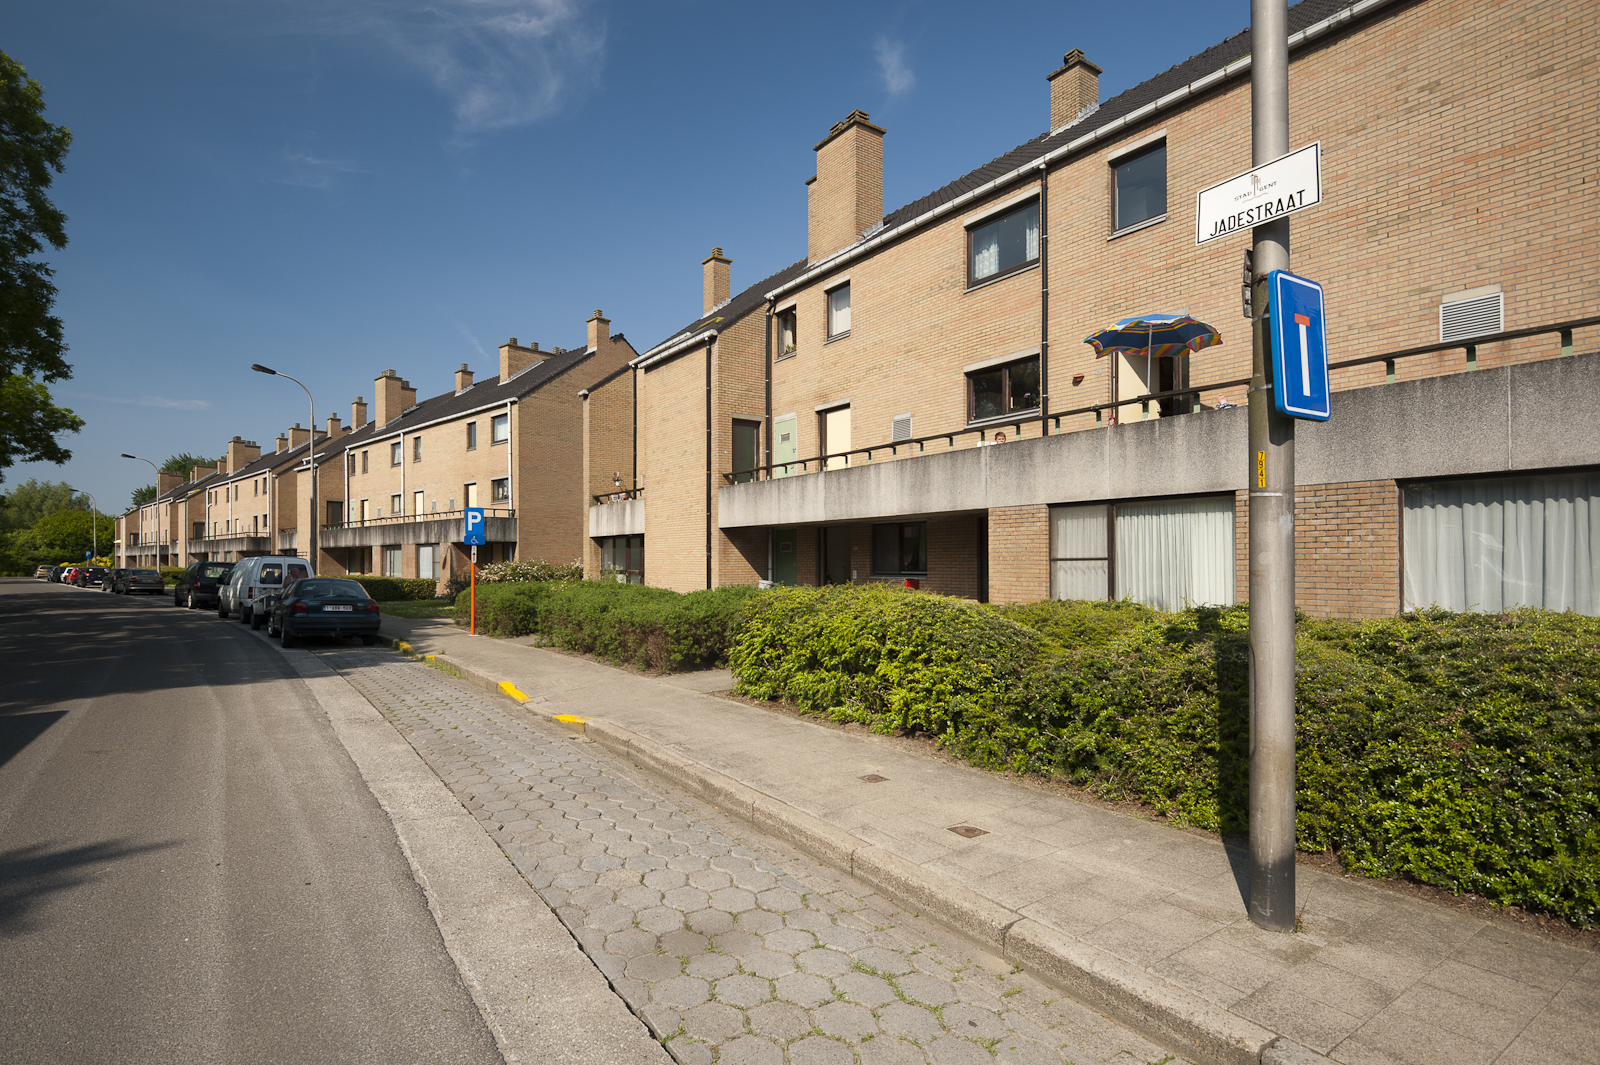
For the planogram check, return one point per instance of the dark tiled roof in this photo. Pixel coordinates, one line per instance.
(610, 377)
(739, 306)
(1301, 15)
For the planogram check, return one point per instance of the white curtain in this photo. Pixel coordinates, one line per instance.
(1031, 237)
(986, 252)
(1078, 560)
(1499, 543)
(1176, 553)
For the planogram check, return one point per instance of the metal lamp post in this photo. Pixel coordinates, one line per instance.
(157, 470)
(311, 458)
(94, 523)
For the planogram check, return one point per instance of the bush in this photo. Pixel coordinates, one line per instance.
(530, 570)
(1460, 750)
(170, 574)
(397, 589)
(650, 628)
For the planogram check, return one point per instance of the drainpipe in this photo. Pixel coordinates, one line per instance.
(1044, 299)
(709, 342)
(766, 430)
(635, 376)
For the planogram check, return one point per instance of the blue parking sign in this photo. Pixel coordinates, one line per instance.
(473, 528)
(1299, 347)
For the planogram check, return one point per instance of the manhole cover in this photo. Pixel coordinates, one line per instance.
(873, 778)
(968, 831)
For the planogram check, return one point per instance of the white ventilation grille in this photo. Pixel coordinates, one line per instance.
(902, 428)
(1475, 317)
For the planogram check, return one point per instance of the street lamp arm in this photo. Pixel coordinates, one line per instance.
(311, 459)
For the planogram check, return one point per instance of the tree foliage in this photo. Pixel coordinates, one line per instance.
(34, 499)
(71, 534)
(32, 348)
(143, 495)
(183, 464)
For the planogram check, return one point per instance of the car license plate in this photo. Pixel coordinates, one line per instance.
(346, 609)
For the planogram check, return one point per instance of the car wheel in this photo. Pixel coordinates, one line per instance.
(244, 615)
(191, 599)
(286, 637)
(222, 609)
(272, 626)
(254, 619)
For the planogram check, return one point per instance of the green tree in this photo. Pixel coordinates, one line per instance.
(69, 534)
(32, 350)
(143, 495)
(183, 464)
(34, 499)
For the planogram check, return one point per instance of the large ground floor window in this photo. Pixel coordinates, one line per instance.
(1496, 543)
(624, 556)
(1165, 553)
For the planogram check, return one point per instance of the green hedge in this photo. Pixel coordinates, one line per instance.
(1460, 750)
(651, 628)
(397, 589)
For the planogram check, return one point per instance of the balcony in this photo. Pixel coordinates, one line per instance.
(435, 527)
(619, 513)
(223, 546)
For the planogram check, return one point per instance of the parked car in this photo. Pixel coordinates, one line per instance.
(43, 572)
(197, 587)
(89, 576)
(323, 606)
(56, 573)
(69, 574)
(112, 577)
(129, 581)
(255, 578)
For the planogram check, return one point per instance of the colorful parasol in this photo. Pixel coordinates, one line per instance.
(1154, 336)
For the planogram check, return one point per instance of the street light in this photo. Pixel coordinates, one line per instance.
(157, 470)
(94, 523)
(311, 456)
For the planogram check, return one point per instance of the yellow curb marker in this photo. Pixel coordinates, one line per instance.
(571, 721)
(511, 690)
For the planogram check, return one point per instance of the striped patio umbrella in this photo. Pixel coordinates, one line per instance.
(1154, 336)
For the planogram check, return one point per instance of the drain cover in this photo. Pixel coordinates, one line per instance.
(873, 778)
(968, 831)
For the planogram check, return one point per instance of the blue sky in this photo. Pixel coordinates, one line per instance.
(334, 187)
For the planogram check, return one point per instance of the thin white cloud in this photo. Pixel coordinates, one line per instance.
(502, 63)
(897, 77)
(466, 334)
(148, 401)
(304, 169)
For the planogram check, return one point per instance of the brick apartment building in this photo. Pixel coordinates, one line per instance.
(913, 399)
(391, 490)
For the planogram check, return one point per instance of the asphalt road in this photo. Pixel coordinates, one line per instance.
(191, 868)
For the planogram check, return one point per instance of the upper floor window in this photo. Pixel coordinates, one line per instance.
(416, 449)
(394, 453)
(839, 311)
(499, 428)
(472, 435)
(998, 391)
(363, 462)
(500, 489)
(351, 462)
(394, 503)
(1141, 186)
(1003, 245)
(788, 332)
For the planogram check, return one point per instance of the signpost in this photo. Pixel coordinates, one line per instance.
(1275, 190)
(472, 534)
(1299, 347)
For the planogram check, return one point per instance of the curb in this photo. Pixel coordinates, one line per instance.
(1154, 1006)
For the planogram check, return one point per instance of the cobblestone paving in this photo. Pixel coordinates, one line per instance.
(732, 947)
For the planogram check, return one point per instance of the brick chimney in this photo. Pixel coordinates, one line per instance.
(358, 413)
(241, 453)
(283, 444)
(463, 379)
(201, 471)
(514, 358)
(599, 330)
(392, 395)
(1072, 88)
(166, 482)
(845, 199)
(718, 281)
(334, 428)
(297, 435)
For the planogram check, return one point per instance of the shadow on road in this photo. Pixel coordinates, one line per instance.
(19, 730)
(31, 874)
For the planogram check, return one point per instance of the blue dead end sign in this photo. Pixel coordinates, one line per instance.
(1299, 346)
(473, 528)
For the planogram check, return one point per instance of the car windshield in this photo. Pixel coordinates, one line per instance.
(214, 571)
(314, 589)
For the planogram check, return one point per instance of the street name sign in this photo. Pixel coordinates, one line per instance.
(1299, 347)
(473, 527)
(1278, 188)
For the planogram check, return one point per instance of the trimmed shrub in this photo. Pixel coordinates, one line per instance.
(650, 628)
(396, 589)
(1460, 750)
(170, 574)
(521, 571)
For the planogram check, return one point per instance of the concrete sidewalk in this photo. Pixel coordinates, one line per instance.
(1141, 920)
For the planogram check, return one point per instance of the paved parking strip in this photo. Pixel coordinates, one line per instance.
(731, 946)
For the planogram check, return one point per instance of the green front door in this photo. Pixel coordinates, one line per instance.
(785, 553)
(785, 445)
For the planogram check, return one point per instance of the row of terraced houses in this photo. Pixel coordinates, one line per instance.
(912, 400)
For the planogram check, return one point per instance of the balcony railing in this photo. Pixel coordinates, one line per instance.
(918, 444)
(619, 496)
(432, 515)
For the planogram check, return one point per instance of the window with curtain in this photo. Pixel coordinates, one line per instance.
(1007, 243)
(391, 560)
(788, 333)
(1496, 543)
(1166, 553)
(839, 311)
(428, 560)
(1001, 391)
(499, 428)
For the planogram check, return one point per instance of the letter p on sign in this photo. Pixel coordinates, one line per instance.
(473, 527)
